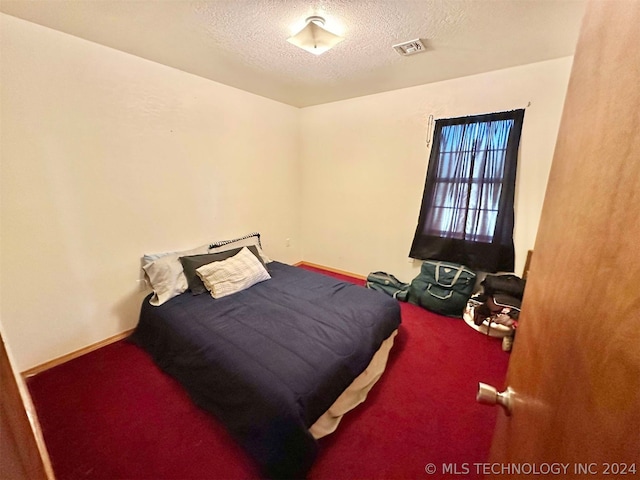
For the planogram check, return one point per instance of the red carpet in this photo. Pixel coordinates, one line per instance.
(112, 414)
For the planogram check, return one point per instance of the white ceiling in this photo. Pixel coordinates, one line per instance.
(242, 43)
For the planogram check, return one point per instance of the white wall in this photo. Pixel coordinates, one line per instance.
(106, 156)
(364, 163)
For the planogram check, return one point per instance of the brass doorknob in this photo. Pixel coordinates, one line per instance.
(488, 395)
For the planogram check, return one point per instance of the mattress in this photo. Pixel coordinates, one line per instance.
(271, 360)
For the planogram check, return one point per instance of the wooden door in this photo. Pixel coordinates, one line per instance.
(23, 454)
(575, 365)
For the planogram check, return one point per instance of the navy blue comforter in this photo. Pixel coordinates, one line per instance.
(270, 360)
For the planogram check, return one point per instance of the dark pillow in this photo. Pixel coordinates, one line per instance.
(192, 262)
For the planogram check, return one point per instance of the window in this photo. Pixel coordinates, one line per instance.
(467, 206)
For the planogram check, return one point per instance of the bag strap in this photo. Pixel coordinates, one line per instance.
(439, 265)
(384, 276)
(438, 296)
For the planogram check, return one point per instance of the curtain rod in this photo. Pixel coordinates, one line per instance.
(431, 120)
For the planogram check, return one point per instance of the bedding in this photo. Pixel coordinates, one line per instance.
(165, 275)
(270, 360)
(164, 271)
(191, 263)
(236, 273)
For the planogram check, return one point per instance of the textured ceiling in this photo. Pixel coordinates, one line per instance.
(242, 43)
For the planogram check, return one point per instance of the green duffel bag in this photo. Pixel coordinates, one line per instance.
(387, 283)
(442, 287)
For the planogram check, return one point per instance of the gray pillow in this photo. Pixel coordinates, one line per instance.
(192, 262)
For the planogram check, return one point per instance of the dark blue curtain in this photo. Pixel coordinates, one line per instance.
(467, 213)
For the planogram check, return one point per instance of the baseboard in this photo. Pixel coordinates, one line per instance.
(78, 353)
(329, 269)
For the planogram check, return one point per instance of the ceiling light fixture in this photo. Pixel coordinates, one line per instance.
(314, 38)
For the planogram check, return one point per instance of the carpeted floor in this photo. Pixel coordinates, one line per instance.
(112, 414)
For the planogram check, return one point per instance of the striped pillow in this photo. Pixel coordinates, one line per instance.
(233, 274)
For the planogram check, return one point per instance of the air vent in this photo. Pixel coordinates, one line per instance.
(409, 48)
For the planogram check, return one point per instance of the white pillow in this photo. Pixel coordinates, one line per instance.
(252, 239)
(233, 274)
(166, 275)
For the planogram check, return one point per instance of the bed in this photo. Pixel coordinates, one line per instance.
(277, 363)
